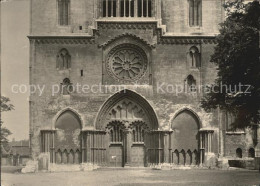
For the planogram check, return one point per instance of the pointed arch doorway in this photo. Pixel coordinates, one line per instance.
(127, 119)
(185, 138)
(64, 141)
(67, 138)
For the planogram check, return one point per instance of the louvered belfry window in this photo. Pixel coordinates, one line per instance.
(195, 12)
(127, 8)
(63, 9)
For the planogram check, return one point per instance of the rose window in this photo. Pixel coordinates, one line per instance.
(127, 63)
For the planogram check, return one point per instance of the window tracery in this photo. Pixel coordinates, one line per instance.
(127, 62)
(63, 60)
(116, 131)
(194, 57)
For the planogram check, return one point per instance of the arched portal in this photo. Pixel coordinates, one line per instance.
(67, 137)
(185, 136)
(127, 119)
(127, 106)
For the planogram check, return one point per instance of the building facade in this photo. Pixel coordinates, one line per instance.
(123, 80)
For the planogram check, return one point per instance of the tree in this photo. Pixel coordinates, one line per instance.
(237, 87)
(5, 106)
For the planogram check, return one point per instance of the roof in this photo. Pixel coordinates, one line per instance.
(20, 150)
(19, 143)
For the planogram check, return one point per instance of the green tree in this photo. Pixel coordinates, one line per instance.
(5, 106)
(237, 58)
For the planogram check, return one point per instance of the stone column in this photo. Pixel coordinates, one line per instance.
(166, 148)
(257, 148)
(88, 147)
(106, 8)
(222, 132)
(127, 143)
(53, 148)
(206, 154)
(45, 141)
(202, 146)
(117, 8)
(83, 148)
(31, 102)
(107, 143)
(135, 8)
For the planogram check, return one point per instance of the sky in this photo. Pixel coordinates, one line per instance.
(15, 64)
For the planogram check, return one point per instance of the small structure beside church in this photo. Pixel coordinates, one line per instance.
(17, 155)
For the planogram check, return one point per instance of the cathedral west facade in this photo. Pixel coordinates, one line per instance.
(123, 83)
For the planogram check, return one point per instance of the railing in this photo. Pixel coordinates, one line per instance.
(127, 8)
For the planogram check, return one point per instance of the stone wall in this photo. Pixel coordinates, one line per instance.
(175, 14)
(169, 66)
(242, 140)
(44, 17)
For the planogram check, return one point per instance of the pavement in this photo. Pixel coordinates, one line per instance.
(137, 177)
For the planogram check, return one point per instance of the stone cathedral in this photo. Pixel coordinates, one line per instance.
(123, 82)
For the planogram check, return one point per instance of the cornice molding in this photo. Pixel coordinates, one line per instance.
(127, 35)
(157, 31)
(186, 40)
(126, 25)
(62, 39)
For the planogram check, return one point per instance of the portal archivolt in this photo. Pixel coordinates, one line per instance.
(126, 106)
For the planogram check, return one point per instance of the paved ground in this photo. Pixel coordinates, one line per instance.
(134, 177)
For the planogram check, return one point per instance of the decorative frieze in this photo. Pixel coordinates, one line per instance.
(186, 40)
(127, 25)
(62, 39)
(132, 36)
(92, 39)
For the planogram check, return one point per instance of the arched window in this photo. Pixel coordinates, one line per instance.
(239, 153)
(195, 12)
(66, 87)
(190, 84)
(251, 153)
(63, 60)
(194, 57)
(63, 11)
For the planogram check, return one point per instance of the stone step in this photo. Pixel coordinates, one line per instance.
(122, 168)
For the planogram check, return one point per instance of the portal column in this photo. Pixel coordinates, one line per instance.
(206, 136)
(127, 144)
(166, 148)
(53, 147)
(202, 147)
(83, 148)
